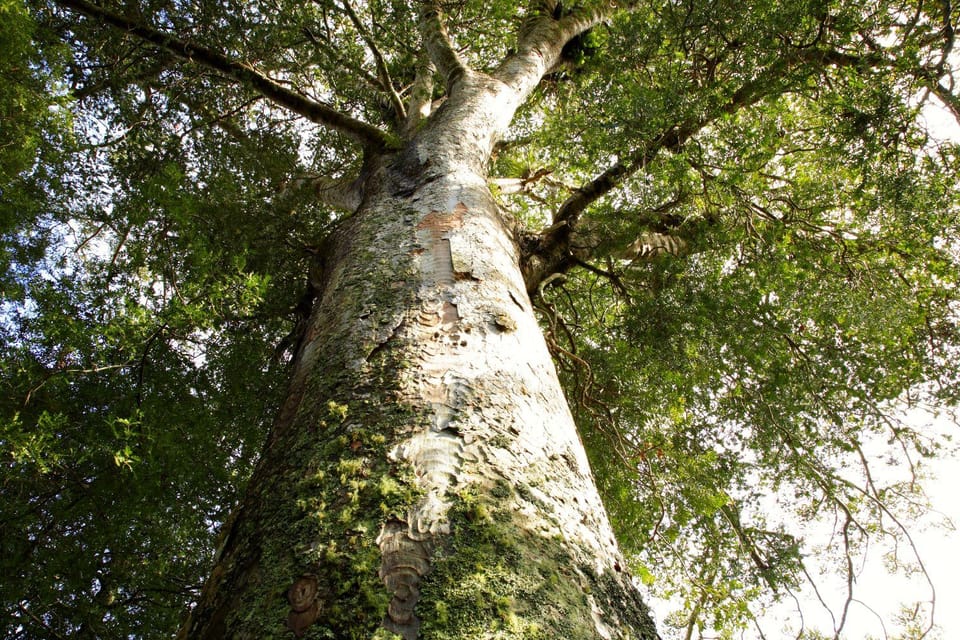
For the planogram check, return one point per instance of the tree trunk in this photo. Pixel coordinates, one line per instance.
(424, 477)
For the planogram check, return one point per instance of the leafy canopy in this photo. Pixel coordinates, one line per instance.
(736, 222)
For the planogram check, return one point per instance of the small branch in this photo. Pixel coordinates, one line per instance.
(340, 61)
(142, 365)
(322, 114)
(732, 516)
(383, 73)
(26, 611)
(151, 72)
(614, 279)
(223, 120)
(552, 251)
(56, 372)
(816, 592)
(89, 238)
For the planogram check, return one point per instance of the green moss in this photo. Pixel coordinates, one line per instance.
(500, 441)
(495, 579)
(344, 488)
(442, 613)
(348, 468)
(337, 411)
(501, 490)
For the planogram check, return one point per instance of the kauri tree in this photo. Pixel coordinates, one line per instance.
(287, 287)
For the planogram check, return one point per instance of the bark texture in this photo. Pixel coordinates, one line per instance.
(424, 477)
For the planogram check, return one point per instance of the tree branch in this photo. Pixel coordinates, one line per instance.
(357, 130)
(421, 95)
(650, 245)
(949, 33)
(343, 194)
(382, 72)
(340, 61)
(541, 40)
(437, 42)
(550, 252)
(949, 99)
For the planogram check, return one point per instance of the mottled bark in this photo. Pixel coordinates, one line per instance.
(424, 477)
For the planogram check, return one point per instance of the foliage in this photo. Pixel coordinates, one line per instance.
(767, 271)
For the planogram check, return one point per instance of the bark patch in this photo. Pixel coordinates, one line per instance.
(443, 222)
(434, 452)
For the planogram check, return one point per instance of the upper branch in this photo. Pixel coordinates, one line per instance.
(330, 52)
(770, 82)
(948, 98)
(421, 94)
(357, 130)
(672, 139)
(382, 72)
(948, 31)
(438, 44)
(552, 252)
(542, 38)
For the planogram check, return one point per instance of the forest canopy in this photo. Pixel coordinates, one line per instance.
(738, 227)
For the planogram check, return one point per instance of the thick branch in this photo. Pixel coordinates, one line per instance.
(438, 44)
(541, 42)
(420, 102)
(317, 112)
(948, 98)
(344, 194)
(568, 215)
(523, 184)
(651, 245)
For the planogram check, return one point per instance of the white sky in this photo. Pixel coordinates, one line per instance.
(937, 540)
(878, 593)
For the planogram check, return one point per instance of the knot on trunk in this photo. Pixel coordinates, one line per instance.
(304, 606)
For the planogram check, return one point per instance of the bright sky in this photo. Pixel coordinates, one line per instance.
(937, 540)
(941, 547)
(878, 593)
